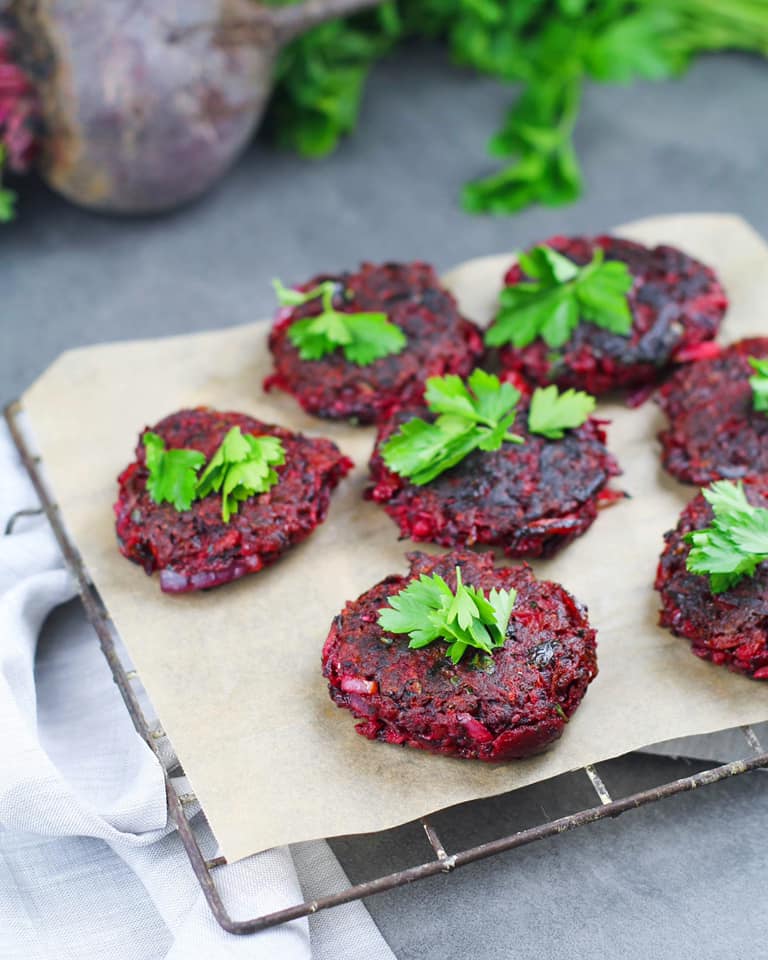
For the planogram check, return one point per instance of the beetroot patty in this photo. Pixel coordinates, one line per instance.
(488, 707)
(530, 499)
(728, 628)
(676, 303)
(194, 549)
(440, 341)
(714, 433)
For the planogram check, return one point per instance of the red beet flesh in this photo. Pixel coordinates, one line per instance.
(512, 704)
(529, 499)
(19, 107)
(731, 628)
(440, 341)
(194, 549)
(676, 303)
(714, 433)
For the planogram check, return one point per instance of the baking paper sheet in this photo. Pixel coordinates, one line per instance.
(234, 674)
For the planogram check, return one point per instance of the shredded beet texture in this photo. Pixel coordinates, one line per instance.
(194, 549)
(530, 499)
(676, 303)
(730, 628)
(511, 704)
(440, 341)
(714, 432)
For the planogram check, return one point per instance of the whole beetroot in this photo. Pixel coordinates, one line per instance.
(145, 105)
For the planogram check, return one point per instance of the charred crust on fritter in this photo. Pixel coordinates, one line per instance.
(511, 704)
(529, 499)
(730, 628)
(676, 303)
(440, 341)
(714, 432)
(195, 549)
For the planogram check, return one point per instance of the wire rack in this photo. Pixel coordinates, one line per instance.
(440, 861)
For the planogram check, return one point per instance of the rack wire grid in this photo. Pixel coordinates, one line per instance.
(442, 862)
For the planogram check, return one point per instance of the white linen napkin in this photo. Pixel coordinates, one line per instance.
(89, 865)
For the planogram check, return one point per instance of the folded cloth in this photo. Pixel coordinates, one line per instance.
(90, 866)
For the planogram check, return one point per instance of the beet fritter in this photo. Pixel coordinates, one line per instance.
(194, 549)
(440, 341)
(676, 303)
(510, 704)
(729, 628)
(529, 499)
(714, 433)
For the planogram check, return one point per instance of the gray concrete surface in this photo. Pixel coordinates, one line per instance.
(682, 879)
(68, 277)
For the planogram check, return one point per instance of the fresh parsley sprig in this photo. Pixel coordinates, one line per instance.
(559, 295)
(428, 610)
(736, 541)
(552, 413)
(477, 415)
(364, 337)
(172, 473)
(759, 383)
(241, 467)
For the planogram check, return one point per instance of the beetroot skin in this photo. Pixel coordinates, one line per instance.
(714, 433)
(530, 499)
(677, 303)
(194, 549)
(730, 628)
(440, 341)
(511, 704)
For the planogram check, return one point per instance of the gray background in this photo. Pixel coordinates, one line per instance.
(685, 878)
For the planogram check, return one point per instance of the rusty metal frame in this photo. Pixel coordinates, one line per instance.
(442, 862)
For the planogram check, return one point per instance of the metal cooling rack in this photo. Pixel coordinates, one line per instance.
(442, 862)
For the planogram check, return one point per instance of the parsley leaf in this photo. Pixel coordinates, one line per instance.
(559, 295)
(241, 467)
(364, 337)
(428, 610)
(7, 197)
(476, 415)
(759, 383)
(172, 473)
(736, 541)
(552, 413)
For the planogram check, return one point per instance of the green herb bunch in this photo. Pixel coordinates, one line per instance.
(736, 541)
(476, 415)
(547, 48)
(362, 337)
(558, 295)
(242, 466)
(428, 610)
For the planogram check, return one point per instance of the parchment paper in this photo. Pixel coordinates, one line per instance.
(234, 674)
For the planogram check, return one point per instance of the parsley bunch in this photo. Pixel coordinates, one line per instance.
(547, 48)
(559, 295)
(428, 610)
(759, 384)
(477, 415)
(467, 421)
(736, 541)
(242, 466)
(364, 337)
